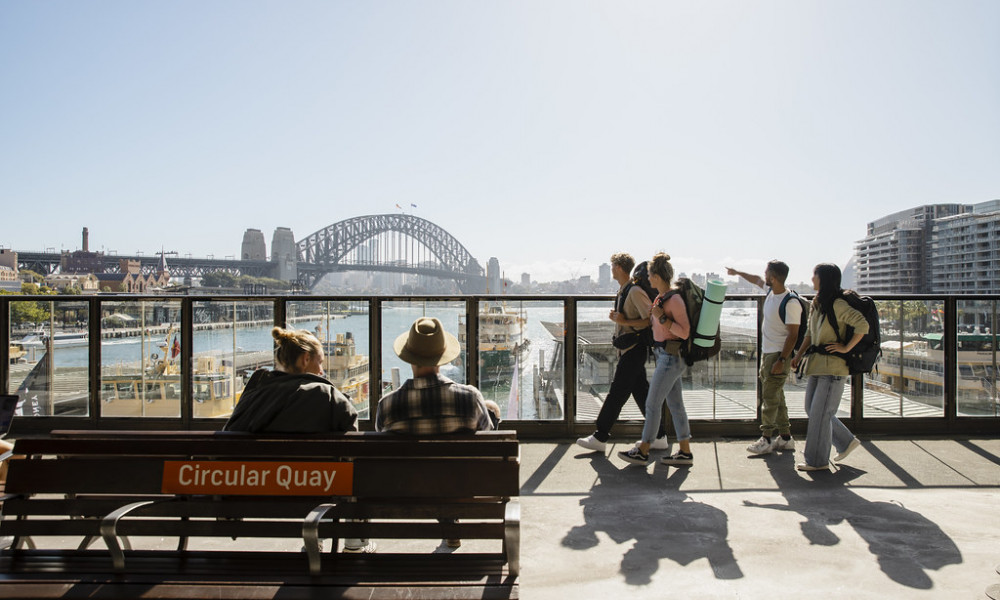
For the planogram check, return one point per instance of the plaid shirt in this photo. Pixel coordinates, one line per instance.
(432, 405)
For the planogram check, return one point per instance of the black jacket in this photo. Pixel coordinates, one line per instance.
(278, 402)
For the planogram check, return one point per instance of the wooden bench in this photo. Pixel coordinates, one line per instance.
(100, 493)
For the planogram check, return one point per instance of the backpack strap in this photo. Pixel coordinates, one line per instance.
(623, 297)
(782, 311)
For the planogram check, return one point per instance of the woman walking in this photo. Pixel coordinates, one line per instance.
(826, 370)
(669, 320)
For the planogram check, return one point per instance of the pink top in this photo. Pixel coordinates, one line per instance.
(675, 310)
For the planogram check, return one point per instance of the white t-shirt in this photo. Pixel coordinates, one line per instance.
(773, 330)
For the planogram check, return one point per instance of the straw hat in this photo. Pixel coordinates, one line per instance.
(427, 344)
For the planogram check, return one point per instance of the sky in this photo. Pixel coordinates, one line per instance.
(549, 134)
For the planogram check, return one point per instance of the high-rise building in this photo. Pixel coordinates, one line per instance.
(892, 258)
(604, 277)
(526, 279)
(965, 251)
(937, 249)
(493, 283)
(254, 247)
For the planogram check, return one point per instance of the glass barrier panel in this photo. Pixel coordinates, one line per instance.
(977, 358)
(140, 358)
(232, 339)
(342, 327)
(397, 317)
(516, 339)
(725, 387)
(596, 359)
(49, 357)
(909, 379)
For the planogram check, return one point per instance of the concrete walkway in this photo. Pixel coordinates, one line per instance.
(907, 519)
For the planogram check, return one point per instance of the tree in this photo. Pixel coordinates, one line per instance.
(28, 312)
(218, 279)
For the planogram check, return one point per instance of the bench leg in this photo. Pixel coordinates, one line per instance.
(512, 536)
(310, 536)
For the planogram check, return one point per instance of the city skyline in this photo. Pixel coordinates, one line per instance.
(549, 135)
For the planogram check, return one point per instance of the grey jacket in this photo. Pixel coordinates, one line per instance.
(278, 402)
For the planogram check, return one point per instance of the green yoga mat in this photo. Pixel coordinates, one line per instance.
(711, 310)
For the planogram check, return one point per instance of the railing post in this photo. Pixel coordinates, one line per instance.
(472, 341)
(94, 360)
(5, 347)
(569, 364)
(374, 357)
(950, 367)
(187, 358)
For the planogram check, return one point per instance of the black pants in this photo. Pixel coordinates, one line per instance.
(630, 378)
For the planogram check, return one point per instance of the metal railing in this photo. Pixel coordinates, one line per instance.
(938, 374)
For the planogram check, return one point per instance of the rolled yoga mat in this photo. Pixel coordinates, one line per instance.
(711, 310)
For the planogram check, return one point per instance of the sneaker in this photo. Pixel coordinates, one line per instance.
(678, 458)
(761, 446)
(453, 543)
(635, 456)
(368, 548)
(592, 443)
(850, 448)
(781, 444)
(807, 467)
(660, 443)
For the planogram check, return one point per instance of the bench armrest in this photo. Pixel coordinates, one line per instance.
(310, 535)
(109, 529)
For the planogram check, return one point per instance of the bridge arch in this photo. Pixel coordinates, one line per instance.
(338, 247)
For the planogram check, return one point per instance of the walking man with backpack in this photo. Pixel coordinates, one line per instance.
(631, 318)
(781, 334)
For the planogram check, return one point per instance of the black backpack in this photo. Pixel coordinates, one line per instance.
(640, 277)
(642, 337)
(865, 354)
(803, 318)
(694, 297)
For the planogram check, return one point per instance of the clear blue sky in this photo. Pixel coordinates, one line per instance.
(546, 133)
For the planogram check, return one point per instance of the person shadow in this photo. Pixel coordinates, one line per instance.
(662, 522)
(905, 543)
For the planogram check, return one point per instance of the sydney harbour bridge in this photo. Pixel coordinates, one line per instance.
(398, 243)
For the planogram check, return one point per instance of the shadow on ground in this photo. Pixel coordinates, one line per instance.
(661, 521)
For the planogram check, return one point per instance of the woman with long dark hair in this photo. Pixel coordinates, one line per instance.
(826, 368)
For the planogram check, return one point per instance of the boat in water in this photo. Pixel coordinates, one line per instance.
(65, 339)
(346, 369)
(501, 339)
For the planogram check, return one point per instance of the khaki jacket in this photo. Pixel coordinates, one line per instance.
(821, 333)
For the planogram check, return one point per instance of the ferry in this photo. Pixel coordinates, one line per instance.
(347, 370)
(156, 391)
(501, 339)
(66, 339)
(922, 370)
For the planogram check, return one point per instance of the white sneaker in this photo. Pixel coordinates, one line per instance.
(850, 448)
(781, 444)
(592, 443)
(658, 444)
(761, 446)
(368, 548)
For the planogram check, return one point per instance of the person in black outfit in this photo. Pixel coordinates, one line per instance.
(630, 315)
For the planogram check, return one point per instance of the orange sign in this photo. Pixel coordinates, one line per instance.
(258, 478)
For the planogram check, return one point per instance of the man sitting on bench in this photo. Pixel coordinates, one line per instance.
(430, 404)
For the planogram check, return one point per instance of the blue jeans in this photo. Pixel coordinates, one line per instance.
(823, 394)
(665, 386)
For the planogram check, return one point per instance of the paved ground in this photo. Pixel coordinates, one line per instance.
(909, 519)
(901, 519)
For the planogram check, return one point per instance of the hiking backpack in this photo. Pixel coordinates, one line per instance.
(803, 318)
(865, 354)
(640, 277)
(694, 297)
